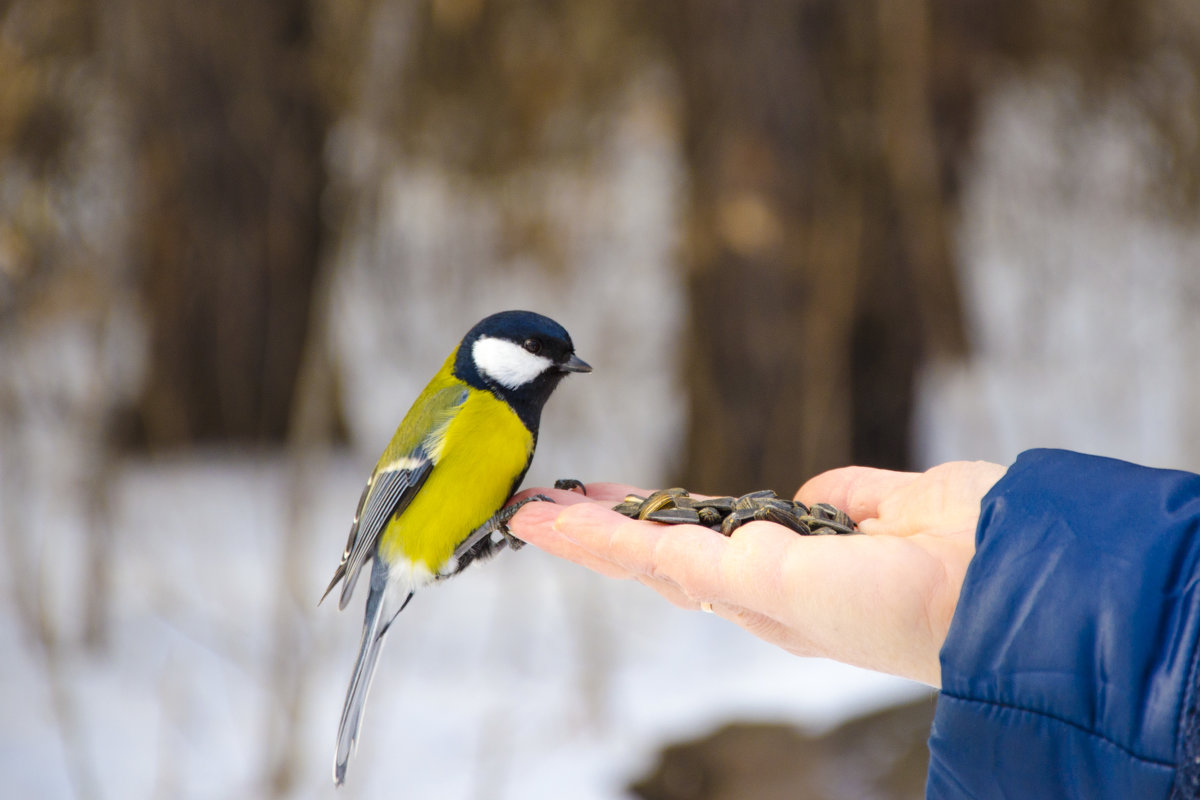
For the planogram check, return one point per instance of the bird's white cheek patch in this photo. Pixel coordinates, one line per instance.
(507, 363)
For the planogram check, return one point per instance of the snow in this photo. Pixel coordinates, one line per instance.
(522, 676)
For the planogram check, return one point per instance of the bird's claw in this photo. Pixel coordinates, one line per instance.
(508, 512)
(570, 485)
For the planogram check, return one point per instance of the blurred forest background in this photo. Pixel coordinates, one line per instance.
(237, 237)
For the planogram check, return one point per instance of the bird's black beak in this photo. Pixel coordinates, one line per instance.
(575, 364)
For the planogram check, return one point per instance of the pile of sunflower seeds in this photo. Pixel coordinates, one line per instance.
(727, 514)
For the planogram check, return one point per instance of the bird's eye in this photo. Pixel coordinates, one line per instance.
(532, 345)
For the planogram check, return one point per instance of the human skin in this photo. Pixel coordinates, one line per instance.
(883, 600)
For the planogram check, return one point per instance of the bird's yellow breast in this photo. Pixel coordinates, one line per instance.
(485, 448)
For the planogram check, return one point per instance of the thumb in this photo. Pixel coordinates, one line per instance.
(856, 490)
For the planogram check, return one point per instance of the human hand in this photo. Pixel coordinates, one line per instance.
(882, 600)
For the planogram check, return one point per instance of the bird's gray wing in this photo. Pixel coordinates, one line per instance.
(388, 492)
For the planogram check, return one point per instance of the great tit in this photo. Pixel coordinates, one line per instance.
(436, 499)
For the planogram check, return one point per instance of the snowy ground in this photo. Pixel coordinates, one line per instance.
(525, 678)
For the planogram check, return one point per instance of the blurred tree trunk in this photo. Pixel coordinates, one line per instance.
(228, 134)
(822, 140)
(817, 246)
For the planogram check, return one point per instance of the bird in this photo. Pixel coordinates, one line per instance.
(436, 500)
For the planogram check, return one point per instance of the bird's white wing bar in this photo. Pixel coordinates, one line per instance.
(507, 363)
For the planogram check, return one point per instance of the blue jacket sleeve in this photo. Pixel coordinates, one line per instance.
(1070, 668)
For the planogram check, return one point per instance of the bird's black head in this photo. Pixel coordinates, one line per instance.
(520, 357)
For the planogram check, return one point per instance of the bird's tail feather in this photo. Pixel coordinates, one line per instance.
(383, 604)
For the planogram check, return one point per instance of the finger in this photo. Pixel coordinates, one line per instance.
(649, 548)
(769, 571)
(702, 564)
(551, 529)
(945, 498)
(610, 543)
(686, 564)
(610, 536)
(637, 548)
(741, 570)
(856, 490)
(535, 524)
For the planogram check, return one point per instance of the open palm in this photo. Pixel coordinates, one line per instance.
(882, 601)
